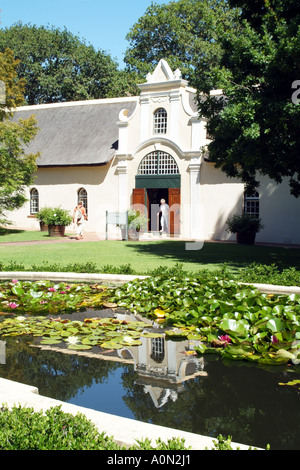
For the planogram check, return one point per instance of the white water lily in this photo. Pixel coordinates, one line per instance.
(20, 318)
(72, 340)
(128, 339)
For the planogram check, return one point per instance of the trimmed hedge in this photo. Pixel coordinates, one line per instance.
(22, 428)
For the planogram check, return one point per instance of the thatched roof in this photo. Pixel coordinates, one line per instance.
(77, 133)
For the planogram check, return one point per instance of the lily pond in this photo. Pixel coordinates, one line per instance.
(203, 355)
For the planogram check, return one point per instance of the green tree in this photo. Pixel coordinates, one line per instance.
(181, 32)
(58, 66)
(16, 168)
(254, 125)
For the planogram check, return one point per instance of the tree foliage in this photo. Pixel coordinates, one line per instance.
(254, 125)
(250, 50)
(16, 168)
(58, 66)
(180, 32)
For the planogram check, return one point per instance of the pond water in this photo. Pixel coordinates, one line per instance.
(162, 382)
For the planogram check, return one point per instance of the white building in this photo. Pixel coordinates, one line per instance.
(124, 152)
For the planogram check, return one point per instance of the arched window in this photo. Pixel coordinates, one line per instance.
(82, 197)
(158, 163)
(160, 121)
(34, 201)
(251, 204)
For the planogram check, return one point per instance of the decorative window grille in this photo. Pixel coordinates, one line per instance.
(251, 204)
(34, 201)
(167, 165)
(158, 163)
(158, 349)
(82, 197)
(160, 121)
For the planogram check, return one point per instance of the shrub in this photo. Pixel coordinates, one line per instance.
(87, 267)
(256, 273)
(243, 223)
(136, 220)
(123, 269)
(55, 216)
(24, 429)
(269, 274)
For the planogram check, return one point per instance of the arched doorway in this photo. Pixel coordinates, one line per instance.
(158, 178)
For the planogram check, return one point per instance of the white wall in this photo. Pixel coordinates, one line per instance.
(59, 187)
(223, 197)
(280, 213)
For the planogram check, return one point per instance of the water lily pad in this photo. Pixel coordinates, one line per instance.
(135, 342)
(176, 334)
(152, 335)
(109, 304)
(194, 336)
(89, 342)
(275, 325)
(291, 383)
(80, 347)
(18, 291)
(111, 345)
(50, 341)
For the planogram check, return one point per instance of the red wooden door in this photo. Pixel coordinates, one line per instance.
(138, 199)
(174, 204)
(139, 202)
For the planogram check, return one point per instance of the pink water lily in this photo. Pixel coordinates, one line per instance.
(225, 338)
(51, 289)
(274, 339)
(13, 305)
(63, 292)
(14, 281)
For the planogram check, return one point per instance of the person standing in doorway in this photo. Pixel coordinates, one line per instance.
(79, 216)
(164, 211)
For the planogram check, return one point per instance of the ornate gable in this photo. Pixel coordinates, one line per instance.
(163, 77)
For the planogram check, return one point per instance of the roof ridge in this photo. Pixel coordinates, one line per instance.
(78, 103)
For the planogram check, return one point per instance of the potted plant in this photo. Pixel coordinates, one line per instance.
(245, 227)
(136, 223)
(56, 219)
(41, 215)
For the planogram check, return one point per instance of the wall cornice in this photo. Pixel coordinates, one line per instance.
(157, 141)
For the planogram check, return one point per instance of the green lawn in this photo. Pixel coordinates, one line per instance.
(144, 256)
(15, 235)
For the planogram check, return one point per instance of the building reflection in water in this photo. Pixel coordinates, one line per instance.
(163, 366)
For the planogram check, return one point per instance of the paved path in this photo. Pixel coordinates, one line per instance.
(93, 237)
(87, 237)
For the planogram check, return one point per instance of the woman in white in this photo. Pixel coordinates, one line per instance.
(164, 211)
(79, 216)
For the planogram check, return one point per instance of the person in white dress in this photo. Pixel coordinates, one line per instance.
(164, 211)
(79, 216)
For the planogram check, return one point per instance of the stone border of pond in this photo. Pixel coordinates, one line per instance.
(124, 430)
(61, 277)
(120, 278)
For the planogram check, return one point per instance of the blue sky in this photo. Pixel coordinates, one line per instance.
(102, 23)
